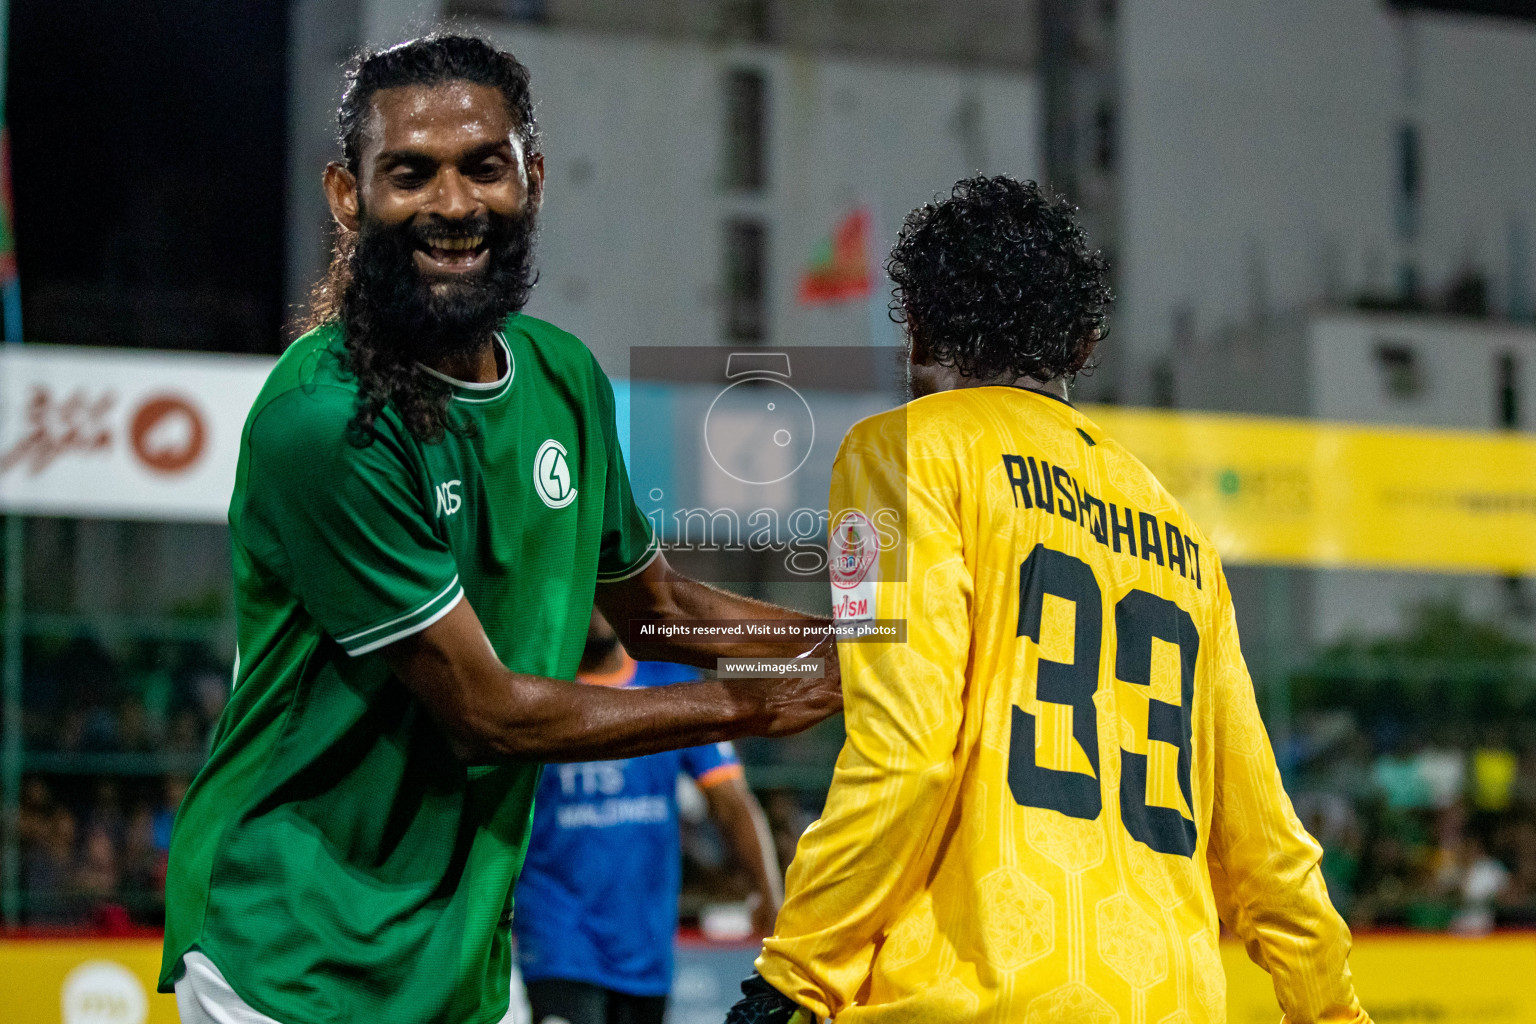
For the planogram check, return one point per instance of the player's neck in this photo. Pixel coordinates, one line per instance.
(1055, 388)
(482, 366)
(927, 378)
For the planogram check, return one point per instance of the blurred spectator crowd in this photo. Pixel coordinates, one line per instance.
(155, 697)
(93, 846)
(1430, 827)
(1427, 821)
(94, 854)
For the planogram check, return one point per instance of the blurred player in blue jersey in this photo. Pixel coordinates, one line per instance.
(596, 907)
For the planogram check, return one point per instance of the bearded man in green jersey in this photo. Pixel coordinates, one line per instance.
(429, 498)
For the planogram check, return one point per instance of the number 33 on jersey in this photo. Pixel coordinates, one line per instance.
(1056, 785)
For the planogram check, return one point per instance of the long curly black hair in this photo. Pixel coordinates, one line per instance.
(998, 281)
(388, 374)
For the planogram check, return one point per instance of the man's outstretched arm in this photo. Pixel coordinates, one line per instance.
(492, 714)
(660, 595)
(741, 822)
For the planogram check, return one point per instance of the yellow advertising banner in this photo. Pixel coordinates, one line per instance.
(1409, 979)
(1412, 979)
(82, 981)
(1303, 492)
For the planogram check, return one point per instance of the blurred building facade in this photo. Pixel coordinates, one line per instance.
(1289, 157)
(694, 170)
(1237, 165)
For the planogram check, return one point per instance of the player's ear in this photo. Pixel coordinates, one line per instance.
(1085, 350)
(917, 349)
(341, 194)
(535, 181)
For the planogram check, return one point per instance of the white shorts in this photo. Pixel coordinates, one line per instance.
(204, 997)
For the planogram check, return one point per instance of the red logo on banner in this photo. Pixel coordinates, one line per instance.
(167, 433)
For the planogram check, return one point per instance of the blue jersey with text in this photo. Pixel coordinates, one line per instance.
(597, 901)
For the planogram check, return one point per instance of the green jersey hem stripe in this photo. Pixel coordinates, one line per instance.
(351, 638)
(415, 627)
(653, 551)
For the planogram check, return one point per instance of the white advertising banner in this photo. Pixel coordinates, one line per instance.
(122, 433)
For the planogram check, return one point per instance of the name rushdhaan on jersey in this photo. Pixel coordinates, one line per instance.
(1056, 490)
(1057, 788)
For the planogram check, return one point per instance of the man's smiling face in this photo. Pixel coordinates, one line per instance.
(443, 202)
(444, 159)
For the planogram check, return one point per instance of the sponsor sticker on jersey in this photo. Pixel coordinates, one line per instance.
(853, 560)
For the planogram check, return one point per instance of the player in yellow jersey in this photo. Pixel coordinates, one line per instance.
(1058, 785)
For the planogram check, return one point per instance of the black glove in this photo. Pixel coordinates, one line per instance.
(761, 1003)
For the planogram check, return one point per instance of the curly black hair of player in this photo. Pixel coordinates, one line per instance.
(998, 281)
(381, 340)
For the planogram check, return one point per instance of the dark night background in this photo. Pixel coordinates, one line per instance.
(147, 142)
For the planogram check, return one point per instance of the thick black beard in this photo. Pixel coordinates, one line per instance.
(393, 320)
(389, 302)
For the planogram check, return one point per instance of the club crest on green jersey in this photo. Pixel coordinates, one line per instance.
(552, 475)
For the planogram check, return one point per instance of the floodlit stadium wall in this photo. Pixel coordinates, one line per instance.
(1399, 977)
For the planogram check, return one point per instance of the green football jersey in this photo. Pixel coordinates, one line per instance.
(334, 858)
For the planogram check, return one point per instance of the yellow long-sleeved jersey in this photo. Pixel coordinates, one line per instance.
(1052, 790)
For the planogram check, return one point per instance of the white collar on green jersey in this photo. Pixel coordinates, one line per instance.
(487, 391)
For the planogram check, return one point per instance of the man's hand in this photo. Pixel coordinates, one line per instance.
(744, 827)
(799, 702)
(658, 594)
(491, 715)
(764, 912)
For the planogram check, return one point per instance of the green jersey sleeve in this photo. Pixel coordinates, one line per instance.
(628, 543)
(348, 530)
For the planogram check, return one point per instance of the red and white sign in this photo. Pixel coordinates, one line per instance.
(122, 434)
